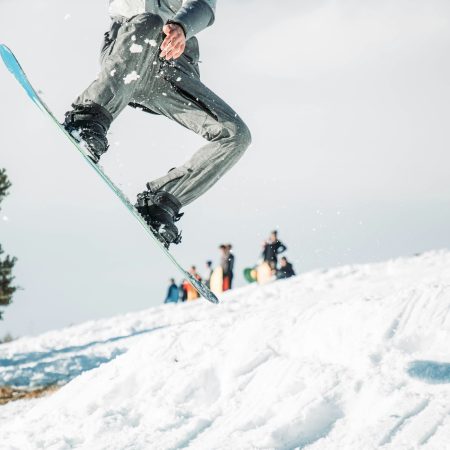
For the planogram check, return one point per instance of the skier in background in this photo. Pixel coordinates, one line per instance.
(271, 249)
(172, 293)
(227, 264)
(286, 269)
(149, 60)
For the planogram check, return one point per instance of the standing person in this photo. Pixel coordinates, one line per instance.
(172, 293)
(209, 271)
(227, 264)
(192, 293)
(286, 269)
(271, 249)
(183, 290)
(149, 61)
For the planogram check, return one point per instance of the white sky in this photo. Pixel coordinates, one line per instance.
(348, 102)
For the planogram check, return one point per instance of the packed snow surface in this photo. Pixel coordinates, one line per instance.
(354, 358)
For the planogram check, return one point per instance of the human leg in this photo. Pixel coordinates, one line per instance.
(189, 102)
(128, 60)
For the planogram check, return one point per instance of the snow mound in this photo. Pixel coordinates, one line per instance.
(356, 357)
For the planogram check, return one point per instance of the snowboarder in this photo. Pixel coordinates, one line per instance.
(271, 249)
(149, 61)
(286, 269)
(172, 293)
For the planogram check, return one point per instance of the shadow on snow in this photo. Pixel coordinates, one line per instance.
(61, 365)
(430, 371)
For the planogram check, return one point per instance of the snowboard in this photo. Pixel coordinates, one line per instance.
(216, 281)
(264, 273)
(250, 274)
(14, 67)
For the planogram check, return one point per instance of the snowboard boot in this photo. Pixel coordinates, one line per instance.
(89, 124)
(161, 210)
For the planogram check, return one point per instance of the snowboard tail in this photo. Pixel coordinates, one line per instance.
(14, 67)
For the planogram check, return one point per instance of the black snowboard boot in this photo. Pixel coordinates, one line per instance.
(89, 124)
(161, 210)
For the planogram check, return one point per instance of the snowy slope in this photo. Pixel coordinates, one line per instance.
(350, 155)
(354, 358)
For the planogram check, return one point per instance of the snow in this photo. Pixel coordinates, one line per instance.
(136, 48)
(151, 42)
(353, 358)
(133, 76)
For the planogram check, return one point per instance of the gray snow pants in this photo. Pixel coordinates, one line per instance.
(133, 74)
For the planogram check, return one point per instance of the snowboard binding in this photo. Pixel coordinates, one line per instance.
(88, 125)
(161, 210)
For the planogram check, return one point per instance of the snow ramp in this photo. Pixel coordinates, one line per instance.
(351, 358)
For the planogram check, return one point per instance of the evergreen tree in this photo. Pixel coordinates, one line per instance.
(6, 263)
(6, 278)
(4, 185)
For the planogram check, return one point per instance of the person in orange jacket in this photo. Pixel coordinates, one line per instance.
(192, 293)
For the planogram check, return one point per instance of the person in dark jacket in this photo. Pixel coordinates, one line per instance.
(227, 264)
(271, 249)
(286, 269)
(182, 291)
(172, 293)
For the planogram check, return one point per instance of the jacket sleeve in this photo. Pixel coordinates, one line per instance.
(195, 15)
(280, 248)
(231, 263)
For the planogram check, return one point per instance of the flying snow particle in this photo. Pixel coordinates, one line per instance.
(5, 218)
(133, 38)
(113, 72)
(165, 95)
(67, 16)
(179, 79)
(136, 48)
(133, 76)
(151, 42)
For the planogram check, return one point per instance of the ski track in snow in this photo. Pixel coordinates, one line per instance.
(352, 358)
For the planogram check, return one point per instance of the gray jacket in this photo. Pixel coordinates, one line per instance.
(192, 15)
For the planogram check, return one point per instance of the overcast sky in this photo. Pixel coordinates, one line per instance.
(348, 103)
